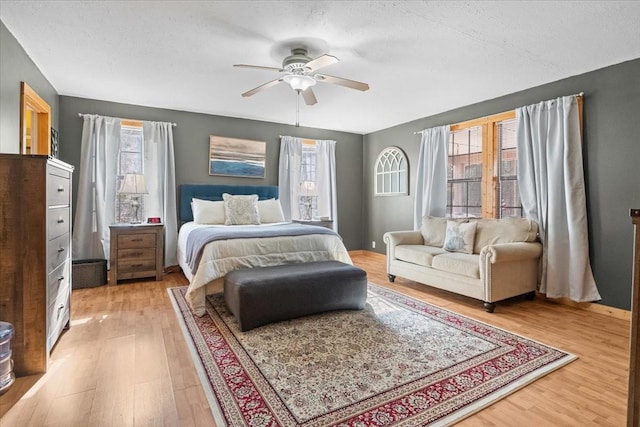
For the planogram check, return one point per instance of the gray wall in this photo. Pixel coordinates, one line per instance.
(611, 157)
(16, 67)
(191, 139)
(611, 153)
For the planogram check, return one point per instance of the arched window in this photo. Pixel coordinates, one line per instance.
(392, 177)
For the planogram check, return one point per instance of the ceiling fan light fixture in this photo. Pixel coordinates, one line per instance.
(299, 82)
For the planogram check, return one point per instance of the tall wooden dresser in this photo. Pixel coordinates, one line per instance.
(35, 255)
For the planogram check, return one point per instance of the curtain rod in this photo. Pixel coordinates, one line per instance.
(580, 94)
(172, 124)
(304, 140)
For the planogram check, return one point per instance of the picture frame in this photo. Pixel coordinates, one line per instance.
(243, 158)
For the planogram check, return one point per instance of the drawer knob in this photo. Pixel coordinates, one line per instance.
(60, 308)
(60, 220)
(60, 189)
(61, 250)
(60, 279)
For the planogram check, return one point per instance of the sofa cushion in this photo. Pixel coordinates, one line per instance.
(505, 230)
(418, 254)
(458, 263)
(434, 228)
(460, 237)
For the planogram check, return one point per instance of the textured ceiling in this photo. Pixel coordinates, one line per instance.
(419, 57)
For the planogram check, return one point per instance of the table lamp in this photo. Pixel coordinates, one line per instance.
(134, 184)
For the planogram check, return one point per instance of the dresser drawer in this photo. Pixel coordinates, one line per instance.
(59, 279)
(58, 314)
(58, 171)
(58, 251)
(58, 190)
(58, 222)
(139, 240)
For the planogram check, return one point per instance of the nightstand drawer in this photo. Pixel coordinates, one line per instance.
(137, 253)
(129, 265)
(146, 240)
(58, 190)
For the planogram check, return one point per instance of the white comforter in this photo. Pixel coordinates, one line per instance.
(222, 256)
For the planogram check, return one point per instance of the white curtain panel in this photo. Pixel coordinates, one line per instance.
(95, 204)
(551, 184)
(160, 177)
(431, 179)
(289, 176)
(326, 180)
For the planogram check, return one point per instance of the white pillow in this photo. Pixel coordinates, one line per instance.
(207, 211)
(460, 236)
(240, 210)
(270, 211)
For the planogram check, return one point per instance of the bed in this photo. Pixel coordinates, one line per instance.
(207, 252)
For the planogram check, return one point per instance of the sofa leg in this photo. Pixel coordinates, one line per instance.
(489, 306)
(530, 296)
(392, 278)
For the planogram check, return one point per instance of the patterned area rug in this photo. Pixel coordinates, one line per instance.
(399, 361)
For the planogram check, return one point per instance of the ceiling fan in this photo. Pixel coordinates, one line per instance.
(300, 75)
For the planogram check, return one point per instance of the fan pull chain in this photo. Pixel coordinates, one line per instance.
(298, 109)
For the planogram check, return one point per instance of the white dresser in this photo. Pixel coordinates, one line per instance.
(35, 258)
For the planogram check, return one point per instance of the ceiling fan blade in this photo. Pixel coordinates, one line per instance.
(257, 67)
(341, 82)
(321, 61)
(309, 97)
(261, 87)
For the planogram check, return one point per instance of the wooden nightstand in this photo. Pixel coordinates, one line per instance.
(136, 251)
(321, 223)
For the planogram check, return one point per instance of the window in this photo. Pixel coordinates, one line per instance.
(130, 161)
(509, 196)
(482, 179)
(391, 173)
(464, 173)
(308, 195)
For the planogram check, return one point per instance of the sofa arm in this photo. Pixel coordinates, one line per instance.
(507, 252)
(395, 238)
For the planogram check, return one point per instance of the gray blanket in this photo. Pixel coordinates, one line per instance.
(199, 237)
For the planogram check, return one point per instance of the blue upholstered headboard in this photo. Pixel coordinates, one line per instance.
(215, 191)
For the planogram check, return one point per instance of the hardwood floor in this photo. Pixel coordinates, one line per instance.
(124, 362)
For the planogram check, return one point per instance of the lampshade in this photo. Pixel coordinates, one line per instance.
(308, 188)
(299, 82)
(133, 184)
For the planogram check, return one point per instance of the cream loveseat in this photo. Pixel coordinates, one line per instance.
(502, 259)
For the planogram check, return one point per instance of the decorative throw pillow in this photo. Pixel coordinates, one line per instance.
(207, 211)
(241, 210)
(270, 211)
(460, 236)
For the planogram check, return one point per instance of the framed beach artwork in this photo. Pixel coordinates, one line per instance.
(236, 157)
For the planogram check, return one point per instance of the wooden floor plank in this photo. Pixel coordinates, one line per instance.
(124, 361)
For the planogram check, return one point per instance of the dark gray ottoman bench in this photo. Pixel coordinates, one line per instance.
(257, 296)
